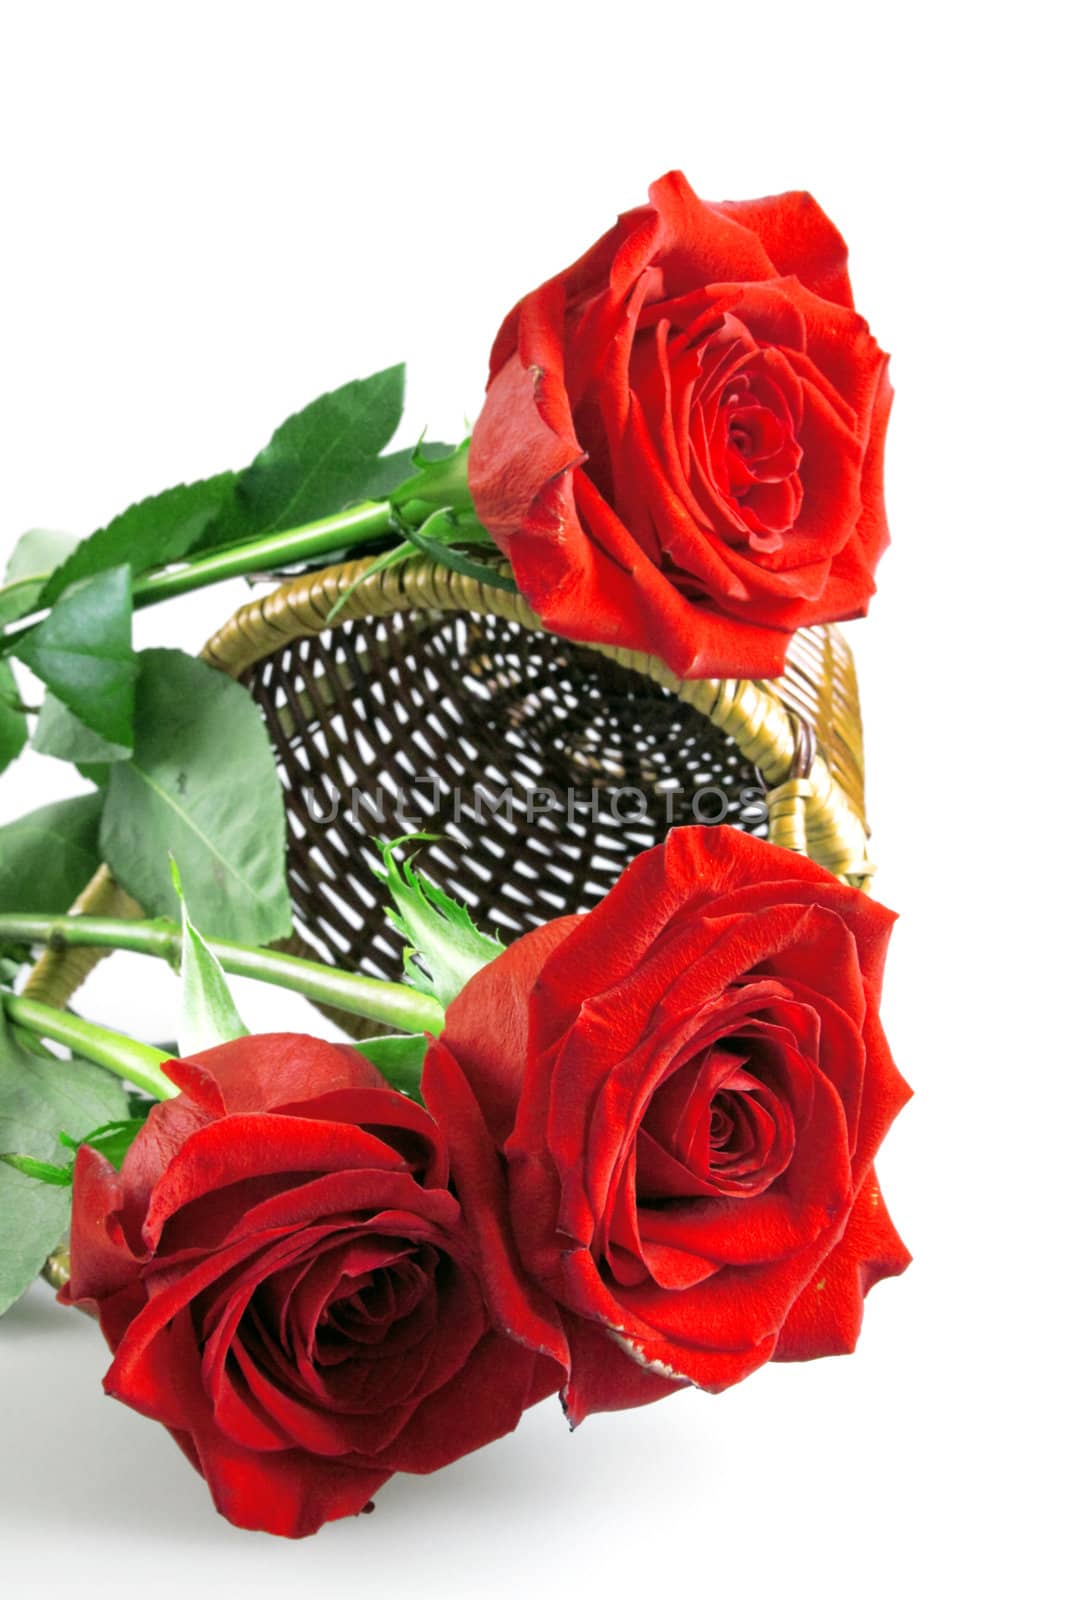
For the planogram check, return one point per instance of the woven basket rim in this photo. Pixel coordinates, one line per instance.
(778, 724)
(802, 731)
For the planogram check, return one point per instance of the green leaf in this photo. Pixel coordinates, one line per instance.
(446, 947)
(95, 772)
(155, 531)
(441, 529)
(112, 1139)
(429, 540)
(440, 480)
(209, 1015)
(33, 559)
(12, 717)
(39, 1096)
(48, 856)
(201, 786)
(82, 651)
(388, 558)
(318, 461)
(42, 1171)
(399, 1058)
(61, 734)
(401, 467)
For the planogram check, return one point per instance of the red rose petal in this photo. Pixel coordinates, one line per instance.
(268, 1070)
(519, 1308)
(604, 1376)
(800, 239)
(825, 1320)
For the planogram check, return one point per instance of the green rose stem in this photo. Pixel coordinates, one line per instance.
(436, 484)
(138, 1063)
(361, 525)
(396, 1005)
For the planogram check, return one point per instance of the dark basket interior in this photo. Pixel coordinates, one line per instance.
(543, 767)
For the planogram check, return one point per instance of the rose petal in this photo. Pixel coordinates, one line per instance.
(268, 1070)
(825, 1319)
(800, 240)
(604, 1376)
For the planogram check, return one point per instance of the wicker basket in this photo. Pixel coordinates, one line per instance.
(542, 766)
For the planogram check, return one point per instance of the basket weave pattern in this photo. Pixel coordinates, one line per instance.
(430, 696)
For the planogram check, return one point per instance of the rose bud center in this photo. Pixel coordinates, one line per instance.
(716, 1126)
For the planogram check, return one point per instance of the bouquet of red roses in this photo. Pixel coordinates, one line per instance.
(631, 1151)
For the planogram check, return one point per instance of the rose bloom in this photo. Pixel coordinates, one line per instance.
(298, 1281)
(690, 1084)
(681, 445)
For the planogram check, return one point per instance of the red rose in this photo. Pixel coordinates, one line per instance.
(289, 1284)
(690, 1084)
(681, 445)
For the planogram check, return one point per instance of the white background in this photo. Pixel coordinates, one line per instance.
(214, 213)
